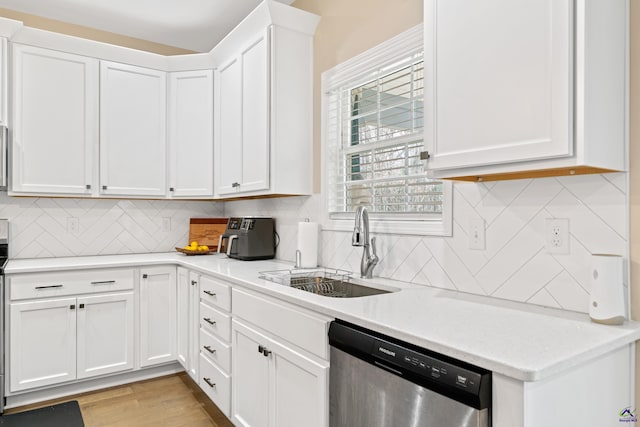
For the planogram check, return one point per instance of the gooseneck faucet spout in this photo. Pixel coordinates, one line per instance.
(361, 238)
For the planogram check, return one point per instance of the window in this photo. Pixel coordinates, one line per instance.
(373, 120)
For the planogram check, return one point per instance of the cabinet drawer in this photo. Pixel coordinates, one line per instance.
(215, 322)
(215, 350)
(216, 384)
(215, 293)
(46, 285)
(301, 327)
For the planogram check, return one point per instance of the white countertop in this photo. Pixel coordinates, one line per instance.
(521, 341)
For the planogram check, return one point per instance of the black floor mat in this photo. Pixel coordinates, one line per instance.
(62, 415)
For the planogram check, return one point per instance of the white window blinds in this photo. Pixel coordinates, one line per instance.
(374, 126)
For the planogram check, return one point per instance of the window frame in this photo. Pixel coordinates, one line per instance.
(380, 56)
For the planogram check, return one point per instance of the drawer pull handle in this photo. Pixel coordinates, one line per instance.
(208, 381)
(209, 321)
(48, 287)
(209, 349)
(103, 282)
(212, 294)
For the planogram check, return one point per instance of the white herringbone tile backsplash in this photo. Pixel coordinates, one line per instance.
(515, 264)
(39, 226)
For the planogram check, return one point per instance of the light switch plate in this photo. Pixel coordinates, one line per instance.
(477, 234)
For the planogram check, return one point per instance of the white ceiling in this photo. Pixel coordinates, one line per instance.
(190, 24)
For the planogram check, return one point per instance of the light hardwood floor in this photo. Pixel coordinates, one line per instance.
(170, 401)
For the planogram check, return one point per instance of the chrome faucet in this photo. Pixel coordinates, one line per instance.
(361, 238)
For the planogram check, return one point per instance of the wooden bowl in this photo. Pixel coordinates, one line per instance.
(195, 252)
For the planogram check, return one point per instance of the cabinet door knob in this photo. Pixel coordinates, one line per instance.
(104, 187)
(235, 184)
(209, 321)
(260, 349)
(88, 186)
(81, 306)
(208, 381)
(193, 283)
(171, 189)
(266, 352)
(209, 349)
(212, 294)
(424, 155)
(72, 307)
(145, 276)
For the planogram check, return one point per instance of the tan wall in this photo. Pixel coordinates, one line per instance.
(346, 29)
(90, 33)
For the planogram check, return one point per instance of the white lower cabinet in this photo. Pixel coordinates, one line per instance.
(275, 385)
(65, 326)
(280, 368)
(157, 315)
(215, 341)
(187, 321)
(64, 339)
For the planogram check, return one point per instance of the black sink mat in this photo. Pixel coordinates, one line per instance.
(61, 415)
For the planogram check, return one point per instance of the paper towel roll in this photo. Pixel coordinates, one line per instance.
(307, 244)
(606, 303)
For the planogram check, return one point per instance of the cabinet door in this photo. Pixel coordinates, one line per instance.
(157, 316)
(187, 322)
(42, 343)
(55, 121)
(194, 325)
(498, 81)
(228, 127)
(105, 334)
(255, 115)
(250, 378)
(191, 133)
(4, 80)
(132, 130)
(182, 317)
(299, 389)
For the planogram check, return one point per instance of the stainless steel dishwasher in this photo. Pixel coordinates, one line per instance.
(379, 381)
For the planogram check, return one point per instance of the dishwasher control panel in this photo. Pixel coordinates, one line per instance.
(427, 366)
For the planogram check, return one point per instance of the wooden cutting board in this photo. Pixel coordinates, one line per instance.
(207, 231)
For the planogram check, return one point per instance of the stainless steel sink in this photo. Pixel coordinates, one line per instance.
(324, 282)
(336, 288)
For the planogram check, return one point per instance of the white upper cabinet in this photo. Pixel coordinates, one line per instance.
(55, 122)
(528, 86)
(263, 104)
(243, 111)
(191, 133)
(132, 130)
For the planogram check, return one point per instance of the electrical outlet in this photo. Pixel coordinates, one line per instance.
(73, 225)
(166, 224)
(476, 234)
(557, 235)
